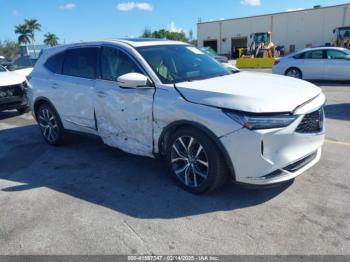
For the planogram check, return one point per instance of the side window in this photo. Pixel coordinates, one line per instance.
(299, 56)
(54, 63)
(80, 62)
(334, 54)
(318, 54)
(115, 63)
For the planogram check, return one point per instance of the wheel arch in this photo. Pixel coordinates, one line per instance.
(42, 100)
(171, 128)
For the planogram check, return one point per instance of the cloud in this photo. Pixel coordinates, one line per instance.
(15, 12)
(173, 28)
(68, 6)
(251, 2)
(133, 5)
(295, 9)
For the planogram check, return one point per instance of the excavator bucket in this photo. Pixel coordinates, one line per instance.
(249, 62)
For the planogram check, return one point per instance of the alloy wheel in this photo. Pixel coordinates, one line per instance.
(48, 125)
(189, 161)
(294, 73)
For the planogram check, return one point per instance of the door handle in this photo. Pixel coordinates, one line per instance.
(101, 94)
(55, 85)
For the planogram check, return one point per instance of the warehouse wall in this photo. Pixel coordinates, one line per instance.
(312, 27)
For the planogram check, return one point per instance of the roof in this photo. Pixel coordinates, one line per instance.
(324, 48)
(278, 13)
(139, 42)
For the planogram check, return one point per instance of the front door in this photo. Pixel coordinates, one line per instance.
(337, 66)
(123, 115)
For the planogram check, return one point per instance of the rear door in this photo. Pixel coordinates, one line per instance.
(74, 95)
(337, 67)
(313, 64)
(124, 115)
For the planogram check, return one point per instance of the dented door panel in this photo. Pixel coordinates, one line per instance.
(124, 117)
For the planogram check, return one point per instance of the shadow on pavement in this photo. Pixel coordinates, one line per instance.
(8, 114)
(86, 169)
(330, 83)
(338, 111)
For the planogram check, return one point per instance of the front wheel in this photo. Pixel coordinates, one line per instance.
(50, 125)
(195, 161)
(294, 72)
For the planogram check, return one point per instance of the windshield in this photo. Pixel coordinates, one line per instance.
(181, 63)
(2, 69)
(344, 33)
(262, 38)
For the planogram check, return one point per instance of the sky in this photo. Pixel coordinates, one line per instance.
(86, 20)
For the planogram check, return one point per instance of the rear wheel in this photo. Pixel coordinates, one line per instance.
(195, 161)
(50, 124)
(294, 72)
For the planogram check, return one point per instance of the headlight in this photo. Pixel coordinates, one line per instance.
(263, 121)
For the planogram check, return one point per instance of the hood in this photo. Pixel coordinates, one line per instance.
(24, 72)
(250, 92)
(9, 78)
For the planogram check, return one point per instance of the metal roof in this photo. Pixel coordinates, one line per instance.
(278, 13)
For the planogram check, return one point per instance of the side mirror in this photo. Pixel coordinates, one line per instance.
(133, 80)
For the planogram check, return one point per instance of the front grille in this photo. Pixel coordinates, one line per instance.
(312, 123)
(301, 163)
(11, 91)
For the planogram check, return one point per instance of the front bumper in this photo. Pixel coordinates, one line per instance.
(266, 157)
(13, 97)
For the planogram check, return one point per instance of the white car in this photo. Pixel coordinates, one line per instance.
(13, 91)
(168, 99)
(323, 63)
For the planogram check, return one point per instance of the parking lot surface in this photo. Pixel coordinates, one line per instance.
(87, 198)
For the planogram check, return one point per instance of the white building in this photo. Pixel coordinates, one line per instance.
(294, 30)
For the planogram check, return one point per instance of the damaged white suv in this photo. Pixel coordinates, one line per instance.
(165, 98)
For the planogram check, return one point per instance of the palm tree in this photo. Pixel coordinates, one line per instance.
(51, 39)
(32, 26)
(24, 34)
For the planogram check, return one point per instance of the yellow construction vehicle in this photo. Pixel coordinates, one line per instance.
(260, 54)
(342, 37)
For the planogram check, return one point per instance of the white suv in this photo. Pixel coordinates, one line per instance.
(169, 99)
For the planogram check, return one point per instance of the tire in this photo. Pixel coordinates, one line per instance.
(294, 72)
(23, 110)
(195, 161)
(50, 125)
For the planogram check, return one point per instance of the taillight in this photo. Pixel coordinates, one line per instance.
(276, 62)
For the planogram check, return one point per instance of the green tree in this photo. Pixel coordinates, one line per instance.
(24, 34)
(147, 33)
(9, 49)
(32, 26)
(51, 39)
(165, 34)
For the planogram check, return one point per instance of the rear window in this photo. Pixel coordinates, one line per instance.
(80, 62)
(54, 63)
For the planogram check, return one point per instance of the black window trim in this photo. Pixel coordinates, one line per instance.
(51, 56)
(82, 47)
(121, 49)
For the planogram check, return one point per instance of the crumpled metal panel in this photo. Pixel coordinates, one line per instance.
(124, 117)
